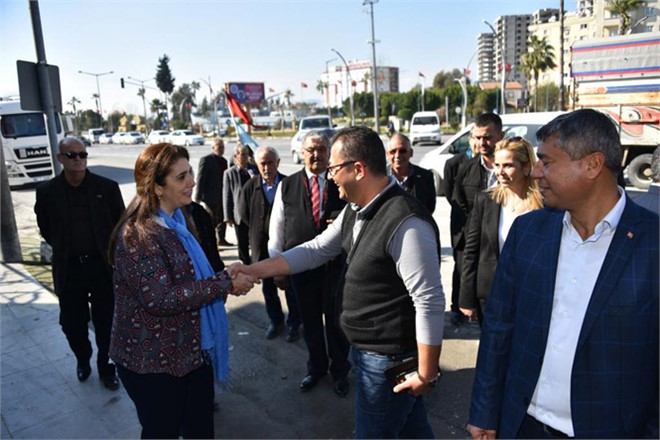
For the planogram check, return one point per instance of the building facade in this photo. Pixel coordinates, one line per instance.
(338, 82)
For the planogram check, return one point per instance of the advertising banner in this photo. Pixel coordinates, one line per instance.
(246, 93)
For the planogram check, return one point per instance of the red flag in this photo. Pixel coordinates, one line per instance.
(422, 75)
(271, 90)
(467, 72)
(237, 110)
(303, 85)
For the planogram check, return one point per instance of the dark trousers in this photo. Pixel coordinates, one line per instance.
(274, 305)
(315, 303)
(169, 406)
(532, 428)
(217, 216)
(88, 283)
(243, 238)
(456, 279)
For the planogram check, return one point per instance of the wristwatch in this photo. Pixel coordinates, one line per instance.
(430, 383)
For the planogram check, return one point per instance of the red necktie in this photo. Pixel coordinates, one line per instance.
(316, 201)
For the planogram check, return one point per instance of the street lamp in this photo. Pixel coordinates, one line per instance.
(374, 79)
(462, 82)
(350, 81)
(144, 104)
(98, 89)
(640, 21)
(215, 105)
(327, 85)
(500, 38)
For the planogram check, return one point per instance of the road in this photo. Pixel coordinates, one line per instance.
(265, 401)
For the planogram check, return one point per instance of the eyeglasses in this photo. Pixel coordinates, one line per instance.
(333, 170)
(515, 138)
(319, 150)
(74, 154)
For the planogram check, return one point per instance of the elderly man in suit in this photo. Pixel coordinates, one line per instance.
(305, 203)
(208, 191)
(76, 213)
(256, 204)
(415, 180)
(234, 179)
(569, 346)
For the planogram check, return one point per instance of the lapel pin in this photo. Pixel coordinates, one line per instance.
(630, 234)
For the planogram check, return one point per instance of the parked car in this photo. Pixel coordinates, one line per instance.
(106, 138)
(186, 137)
(128, 137)
(158, 136)
(93, 135)
(514, 124)
(84, 140)
(320, 122)
(425, 127)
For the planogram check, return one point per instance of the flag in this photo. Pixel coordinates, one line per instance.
(303, 85)
(271, 90)
(467, 72)
(242, 135)
(237, 110)
(422, 75)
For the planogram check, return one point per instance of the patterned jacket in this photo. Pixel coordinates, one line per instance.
(156, 325)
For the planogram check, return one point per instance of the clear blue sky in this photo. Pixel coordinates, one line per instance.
(281, 43)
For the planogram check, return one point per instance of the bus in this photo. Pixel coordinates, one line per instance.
(25, 144)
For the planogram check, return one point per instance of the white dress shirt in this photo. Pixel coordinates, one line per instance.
(578, 268)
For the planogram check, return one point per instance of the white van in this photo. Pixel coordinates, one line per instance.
(513, 124)
(425, 127)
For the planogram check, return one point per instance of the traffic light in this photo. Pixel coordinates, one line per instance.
(122, 83)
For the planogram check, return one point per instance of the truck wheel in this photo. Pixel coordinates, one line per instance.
(639, 171)
(296, 157)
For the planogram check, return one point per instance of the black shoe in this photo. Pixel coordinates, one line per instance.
(274, 330)
(308, 382)
(83, 371)
(458, 318)
(111, 382)
(341, 387)
(293, 334)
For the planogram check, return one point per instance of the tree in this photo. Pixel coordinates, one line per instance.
(287, 96)
(164, 78)
(443, 80)
(73, 103)
(539, 58)
(365, 80)
(624, 8)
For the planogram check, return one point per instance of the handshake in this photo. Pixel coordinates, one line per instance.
(241, 278)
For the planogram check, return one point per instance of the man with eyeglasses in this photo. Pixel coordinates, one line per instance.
(414, 179)
(393, 303)
(76, 214)
(473, 176)
(305, 203)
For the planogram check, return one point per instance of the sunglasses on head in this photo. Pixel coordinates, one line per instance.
(74, 154)
(515, 138)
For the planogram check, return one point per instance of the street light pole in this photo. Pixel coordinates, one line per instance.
(374, 79)
(98, 89)
(350, 81)
(500, 38)
(144, 104)
(327, 85)
(215, 105)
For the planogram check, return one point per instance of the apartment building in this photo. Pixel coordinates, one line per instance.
(357, 79)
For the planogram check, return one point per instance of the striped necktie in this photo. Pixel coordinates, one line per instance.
(316, 201)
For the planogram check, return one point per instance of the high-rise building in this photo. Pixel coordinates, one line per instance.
(486, 57)
(339, 84)
(512, 30)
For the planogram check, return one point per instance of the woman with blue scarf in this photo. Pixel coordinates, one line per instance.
(169, 332)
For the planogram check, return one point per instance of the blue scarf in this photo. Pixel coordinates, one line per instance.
(214, 323)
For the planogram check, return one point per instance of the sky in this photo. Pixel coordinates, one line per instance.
(279, 42)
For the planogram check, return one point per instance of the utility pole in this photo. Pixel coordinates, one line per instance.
(374, 79)
(327, 86)
(98, 89)
(350, 81)
(502, 43)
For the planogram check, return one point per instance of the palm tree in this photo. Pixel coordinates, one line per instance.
(539, 58)
(73, 103)
(365, 80)
(623, 8)
(287, 95)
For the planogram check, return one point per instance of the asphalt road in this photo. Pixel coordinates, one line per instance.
(265, 401)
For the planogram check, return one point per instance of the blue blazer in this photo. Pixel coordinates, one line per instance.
(614, 383)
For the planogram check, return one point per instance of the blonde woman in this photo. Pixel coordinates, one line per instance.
(491, 218)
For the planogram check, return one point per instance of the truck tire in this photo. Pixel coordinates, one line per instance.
(639, 171)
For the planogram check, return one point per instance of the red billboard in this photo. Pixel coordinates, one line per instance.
(246, 93)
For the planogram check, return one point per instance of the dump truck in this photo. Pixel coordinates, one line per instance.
(620, 76)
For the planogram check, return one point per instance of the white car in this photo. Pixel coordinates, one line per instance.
(106, 138)
(158, 136)
(186, 137)
(514, 124)
(127, 138)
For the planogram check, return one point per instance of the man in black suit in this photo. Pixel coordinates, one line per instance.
(415, 180)
(256, 202)
(305, 203)
(76, 213)
(234, 179)
(457, 221)
(208, 191)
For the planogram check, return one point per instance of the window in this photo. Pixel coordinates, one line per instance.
(25, 125)
(650, 11)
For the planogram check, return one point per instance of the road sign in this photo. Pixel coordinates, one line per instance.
(28, 86)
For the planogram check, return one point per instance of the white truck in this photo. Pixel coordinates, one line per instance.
(620, 76)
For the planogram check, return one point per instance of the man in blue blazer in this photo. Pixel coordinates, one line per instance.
(569, 346)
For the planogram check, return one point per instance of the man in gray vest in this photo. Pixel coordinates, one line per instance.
(305, 203)
(393, 303)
